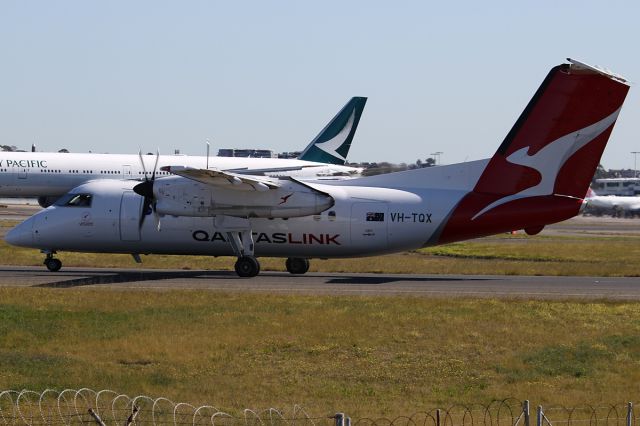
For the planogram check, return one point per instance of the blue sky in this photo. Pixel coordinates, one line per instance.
(116, 76)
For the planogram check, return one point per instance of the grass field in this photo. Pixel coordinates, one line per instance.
(367, 356)
(363, 355)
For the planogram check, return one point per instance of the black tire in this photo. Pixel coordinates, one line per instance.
(247, 266)
(297, 265)
(53, 265)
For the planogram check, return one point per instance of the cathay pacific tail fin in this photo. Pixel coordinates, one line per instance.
(333, 142)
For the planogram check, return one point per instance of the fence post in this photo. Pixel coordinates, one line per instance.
(525, 410)
(539, 416)
(438, 417)
(96, 417)
(630, 414)
(339, 419)
(133, 415)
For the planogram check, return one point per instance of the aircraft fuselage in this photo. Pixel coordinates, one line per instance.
(363, 221)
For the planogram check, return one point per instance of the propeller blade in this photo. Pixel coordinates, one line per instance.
(155, 165)
(145, 190)
(156, 217)
(146, 210)
(144, 169)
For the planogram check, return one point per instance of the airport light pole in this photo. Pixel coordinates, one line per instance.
(436, 156)
(635, 163)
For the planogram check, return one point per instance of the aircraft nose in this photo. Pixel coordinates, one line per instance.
(21, 235)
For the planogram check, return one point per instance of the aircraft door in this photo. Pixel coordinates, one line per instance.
(130, 210)
(126, 171)
(21, 172)
(369, 224)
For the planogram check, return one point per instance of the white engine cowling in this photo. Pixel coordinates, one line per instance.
(182, 197)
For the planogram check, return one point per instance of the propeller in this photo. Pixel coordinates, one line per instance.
(145, 190)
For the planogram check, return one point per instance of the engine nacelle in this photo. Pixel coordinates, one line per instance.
(183, 197)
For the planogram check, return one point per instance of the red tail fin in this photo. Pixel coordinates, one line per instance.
(542, 170)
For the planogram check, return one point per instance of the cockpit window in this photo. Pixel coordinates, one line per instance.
(74, 200)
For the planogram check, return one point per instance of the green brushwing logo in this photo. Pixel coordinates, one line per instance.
(332, 145)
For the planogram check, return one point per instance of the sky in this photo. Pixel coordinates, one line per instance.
(452, 77)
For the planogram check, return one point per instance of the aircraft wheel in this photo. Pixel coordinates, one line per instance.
(247, 266)
(297, 265)
(53, 265)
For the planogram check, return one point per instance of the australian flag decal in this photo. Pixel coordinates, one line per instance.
(375, 217)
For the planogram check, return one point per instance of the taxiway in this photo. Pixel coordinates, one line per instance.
(520, 287)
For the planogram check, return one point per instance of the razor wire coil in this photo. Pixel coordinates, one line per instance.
(86, 406)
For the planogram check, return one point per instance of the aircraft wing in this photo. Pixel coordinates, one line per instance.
(260, 172)
(224, 178)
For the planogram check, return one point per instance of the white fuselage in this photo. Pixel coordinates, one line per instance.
(357, 217)
(42, 174)
(362, 221)
(614, 202)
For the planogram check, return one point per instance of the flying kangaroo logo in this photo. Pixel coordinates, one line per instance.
(285, 198)
(330, 146)
(550, 159)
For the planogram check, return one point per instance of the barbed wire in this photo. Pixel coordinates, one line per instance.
(86, 406)
(107, 407)
(495, 413)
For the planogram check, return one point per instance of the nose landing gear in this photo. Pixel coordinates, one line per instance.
(52, 263)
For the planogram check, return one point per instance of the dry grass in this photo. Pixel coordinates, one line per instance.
(363, 355)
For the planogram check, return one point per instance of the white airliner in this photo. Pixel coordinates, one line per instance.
(615, 203)
(538, 176)
(50, 175)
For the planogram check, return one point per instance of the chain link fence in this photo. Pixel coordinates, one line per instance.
(107, 407)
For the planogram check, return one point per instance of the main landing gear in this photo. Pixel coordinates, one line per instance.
(239, 235)
(247, 265)
(52, 263)
(297, 265)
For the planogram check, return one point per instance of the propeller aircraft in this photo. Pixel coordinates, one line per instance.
(538, 176)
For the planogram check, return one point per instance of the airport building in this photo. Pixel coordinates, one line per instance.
(246, 153)
(617, 186)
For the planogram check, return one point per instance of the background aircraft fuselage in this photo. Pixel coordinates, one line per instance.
(42, 174)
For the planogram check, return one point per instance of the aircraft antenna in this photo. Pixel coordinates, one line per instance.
(208, 147)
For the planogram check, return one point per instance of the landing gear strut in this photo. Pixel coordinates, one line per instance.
(297, 265)
(247, 265)
(52, 263)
